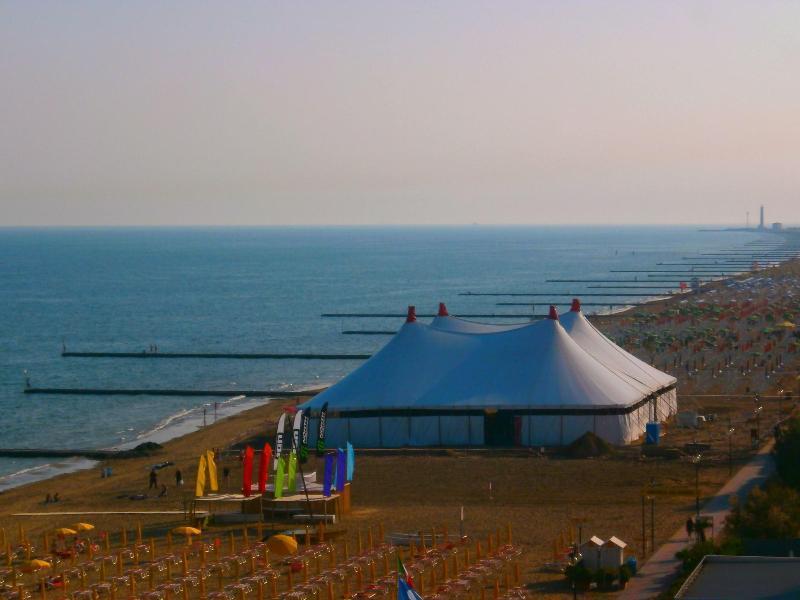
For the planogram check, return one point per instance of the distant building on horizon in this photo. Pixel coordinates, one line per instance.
(761, 219)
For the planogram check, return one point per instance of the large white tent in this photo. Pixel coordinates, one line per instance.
(456, 383)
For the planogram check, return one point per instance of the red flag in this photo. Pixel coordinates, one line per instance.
(247, 471)
(266, 456)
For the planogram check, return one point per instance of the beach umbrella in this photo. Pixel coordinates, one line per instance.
(83, 526)
(64, 531)
(282, 545)
(35, 565)
(787, 325)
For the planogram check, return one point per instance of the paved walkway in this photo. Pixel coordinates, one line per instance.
(658, 572)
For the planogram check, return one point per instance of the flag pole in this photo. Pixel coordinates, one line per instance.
(302, 452)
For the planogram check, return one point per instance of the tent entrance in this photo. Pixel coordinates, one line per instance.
(500, 429)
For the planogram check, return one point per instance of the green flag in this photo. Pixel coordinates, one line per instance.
(279, 472)
(292, 472)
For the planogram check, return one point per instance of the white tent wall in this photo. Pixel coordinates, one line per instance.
(394, 432)
(365, 432)
(424, 431)
(545, 430)
(400, 431)
(455, 430)
(461, 430)
(558, 430)
(476, 434)
(612, 428)
(574, 426)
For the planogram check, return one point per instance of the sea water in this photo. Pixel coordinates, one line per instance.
(255, 290)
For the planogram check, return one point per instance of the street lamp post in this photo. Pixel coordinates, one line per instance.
(653, 523)
(696, 460)
(757, 411)
(730, 450)
(644, 529)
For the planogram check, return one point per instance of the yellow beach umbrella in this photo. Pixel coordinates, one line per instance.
(787, 325)
(35, 565)
(65, 531)
(83, 526)
(187, 530)
(282, 545)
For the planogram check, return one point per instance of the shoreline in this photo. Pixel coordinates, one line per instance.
(172, 427)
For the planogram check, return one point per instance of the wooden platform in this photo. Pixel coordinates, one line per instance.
(197, 513)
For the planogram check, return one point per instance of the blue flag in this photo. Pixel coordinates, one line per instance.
(341, 468)
(404, 592)
(351, 461)
(328, 476)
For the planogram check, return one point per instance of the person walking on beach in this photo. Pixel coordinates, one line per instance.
(153, 479)
(226, 475)
(178, 478)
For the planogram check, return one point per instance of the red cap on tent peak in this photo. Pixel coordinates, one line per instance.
(553, 313)
(443, 310)
(412, 314)
(576, 305)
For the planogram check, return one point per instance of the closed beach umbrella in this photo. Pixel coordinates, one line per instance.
(282, 545)
(65, 531)
(83, 526)
(187, 531)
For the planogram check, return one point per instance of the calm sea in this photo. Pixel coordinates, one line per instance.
(250, 290)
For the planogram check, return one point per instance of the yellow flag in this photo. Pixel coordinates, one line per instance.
(201, 477)
(212, 471)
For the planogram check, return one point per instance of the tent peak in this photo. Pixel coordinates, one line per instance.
(443, 310)
(576, 305)
(412, 314)
(553, 313)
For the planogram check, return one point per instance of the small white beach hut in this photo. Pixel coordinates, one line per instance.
(612, 553)
(592, 550)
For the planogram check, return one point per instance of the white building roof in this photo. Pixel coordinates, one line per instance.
(614, 540)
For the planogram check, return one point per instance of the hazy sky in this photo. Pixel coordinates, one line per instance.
(135, 112)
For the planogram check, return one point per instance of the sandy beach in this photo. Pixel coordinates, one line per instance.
(723, 344)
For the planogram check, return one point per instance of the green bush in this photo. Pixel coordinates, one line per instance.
(691, 556)
(625, 574)
(578, 574)
(604, 578)
(771, 512)
(787, 453)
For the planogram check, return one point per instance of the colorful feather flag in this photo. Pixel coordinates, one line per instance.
(279, 476)
(328, 476)
(323, 417)
(247, 472)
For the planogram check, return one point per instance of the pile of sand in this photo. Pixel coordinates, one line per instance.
(589, 446)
